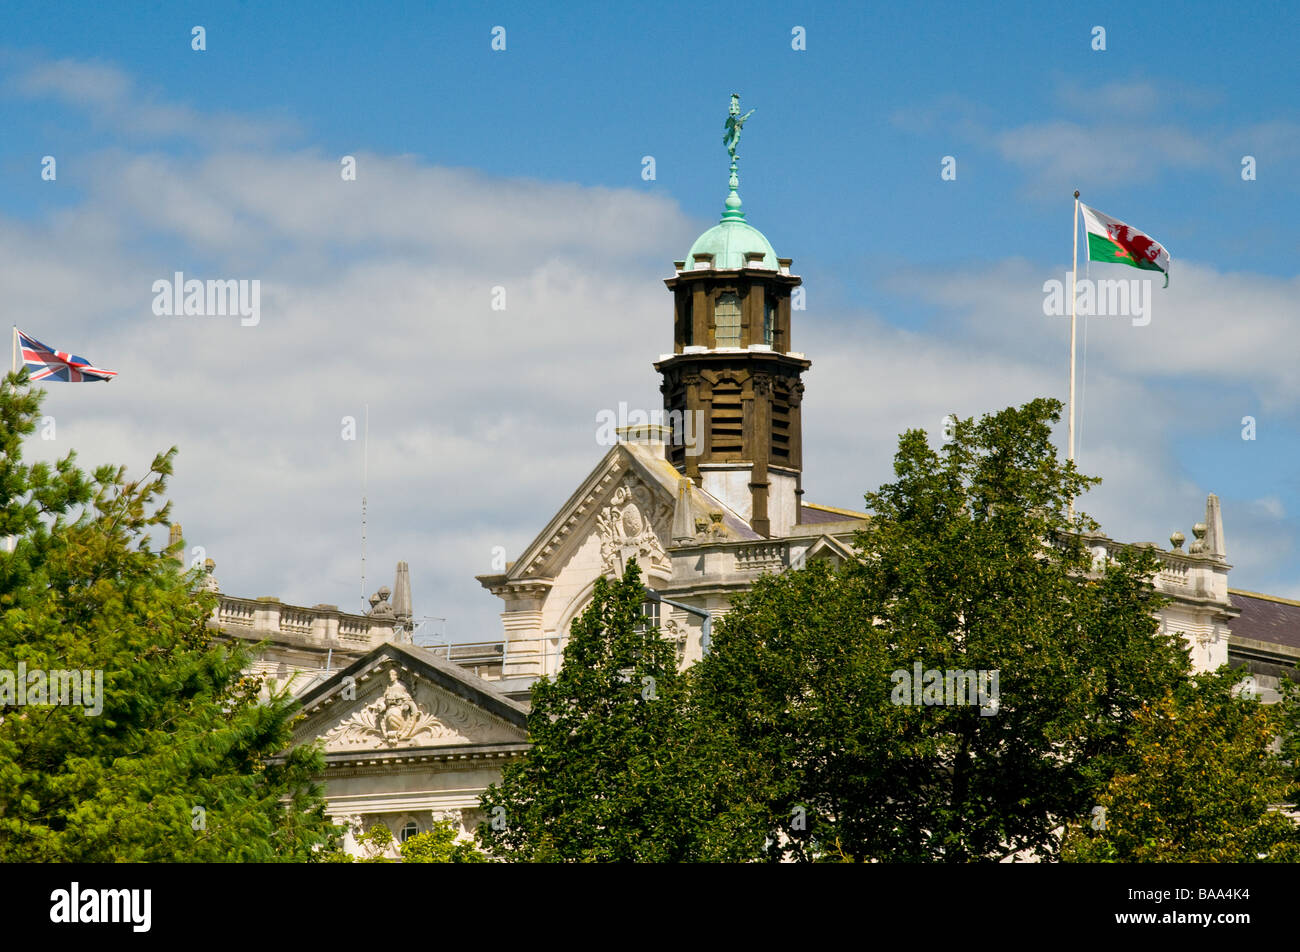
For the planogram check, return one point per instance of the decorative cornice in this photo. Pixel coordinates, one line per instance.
(774, 361)
(386, 762)
(522, 588)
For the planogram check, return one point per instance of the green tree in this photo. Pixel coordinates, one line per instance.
(1200, 785)
(1289, 739)
(972, 561)
(374, 844)
(609, 776)
(175, 759)
(440, 845)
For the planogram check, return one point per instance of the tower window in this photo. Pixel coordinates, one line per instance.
(726, 320)
(769, 317)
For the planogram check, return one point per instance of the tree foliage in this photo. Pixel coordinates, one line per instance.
(440, 845)
(816, 731)
(374, 844)
(972, 561)
(180, 763)
(610, 775)
(1201, 784)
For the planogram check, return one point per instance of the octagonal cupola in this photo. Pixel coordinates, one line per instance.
(733, 368)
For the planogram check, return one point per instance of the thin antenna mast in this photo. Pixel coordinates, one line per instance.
(365, 478)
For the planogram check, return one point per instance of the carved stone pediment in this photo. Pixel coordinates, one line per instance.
(626, 504)
(402, 710)
(634, 523)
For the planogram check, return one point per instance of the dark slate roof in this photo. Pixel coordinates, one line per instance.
(810, 514)
(1266, 618)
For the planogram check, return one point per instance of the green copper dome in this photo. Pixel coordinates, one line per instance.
(729, 242)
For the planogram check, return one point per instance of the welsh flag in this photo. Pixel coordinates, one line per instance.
(1109, 239)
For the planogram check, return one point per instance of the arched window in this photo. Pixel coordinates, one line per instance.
(769, 317)
(410, 829)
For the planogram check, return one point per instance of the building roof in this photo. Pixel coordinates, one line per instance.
(730, 241)
(813, 514)
(1266, 618)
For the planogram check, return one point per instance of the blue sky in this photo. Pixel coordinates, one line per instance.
(923, 294)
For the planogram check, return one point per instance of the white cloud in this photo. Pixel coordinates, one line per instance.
(1132, 97)
(1058, 153)
(111, 99)
(1271, 506)
(1208, 325)
(1112, 132)
(378, 292)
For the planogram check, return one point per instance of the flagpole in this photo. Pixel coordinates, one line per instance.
(1074, 276)
(13, 367)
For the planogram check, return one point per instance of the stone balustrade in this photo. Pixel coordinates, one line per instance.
(322, 625)
(1181, 574)
(753, 559)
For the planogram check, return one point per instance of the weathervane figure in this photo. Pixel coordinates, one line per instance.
(735, 121)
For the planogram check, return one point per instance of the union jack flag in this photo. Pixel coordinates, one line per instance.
(46, 363)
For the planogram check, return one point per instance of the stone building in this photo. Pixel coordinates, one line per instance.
(706, 501)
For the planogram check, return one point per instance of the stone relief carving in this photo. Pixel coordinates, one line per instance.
(455, 816)
(673, 631)
(396, 720)
(711, 529)
(355, 824)
(627, 528)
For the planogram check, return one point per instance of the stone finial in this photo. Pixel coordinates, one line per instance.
(1198, 547)
(1214, 544)
(1176, 539)
(682, 531)
(173, 537)
(402, 592)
